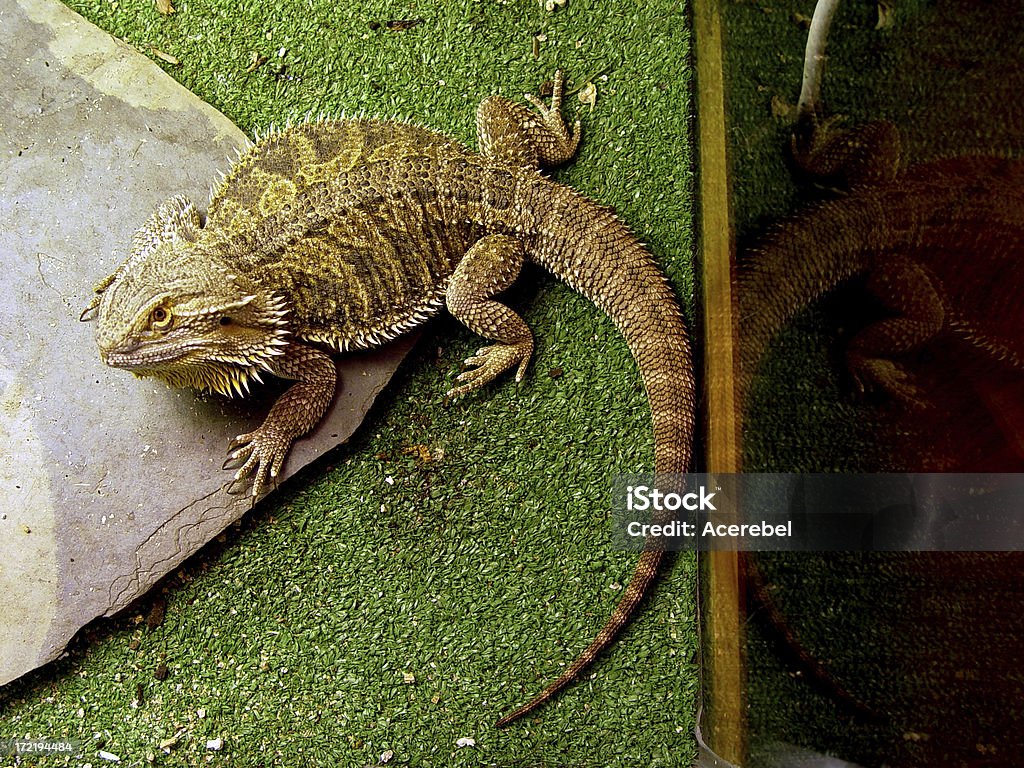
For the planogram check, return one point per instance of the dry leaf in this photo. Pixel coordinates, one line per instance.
(165, 7)
(161, 672)
(164, 56)
(157, 612)
(166, 744)
(886, 14)
(421, 452)
(256, 61)
(400, 25)
(588, 95)
(801, 20)
(782, 109)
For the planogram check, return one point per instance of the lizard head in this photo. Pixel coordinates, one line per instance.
(172, 311)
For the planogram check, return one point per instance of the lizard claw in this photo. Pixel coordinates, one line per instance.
(488, 363)
(236, 487)
(876, 374)
(234, 459)
(260, 453)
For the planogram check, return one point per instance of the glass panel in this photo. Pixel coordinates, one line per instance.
(879, 327)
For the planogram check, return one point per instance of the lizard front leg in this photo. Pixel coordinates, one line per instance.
(295, 412)
(489, 267)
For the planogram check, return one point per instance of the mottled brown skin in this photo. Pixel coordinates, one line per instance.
(340, 235)
(940, 243)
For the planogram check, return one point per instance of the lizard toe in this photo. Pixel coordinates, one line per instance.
(258, 454)
(563, 142)
(238, 442)
(873, 374)
(237, 456)
(251, 463)
(489, 363)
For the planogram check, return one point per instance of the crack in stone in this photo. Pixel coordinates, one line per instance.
(150, 559)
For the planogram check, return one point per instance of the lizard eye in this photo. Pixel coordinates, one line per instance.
(160, 319)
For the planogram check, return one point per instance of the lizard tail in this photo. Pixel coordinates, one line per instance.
(644, 574)
(615, 271)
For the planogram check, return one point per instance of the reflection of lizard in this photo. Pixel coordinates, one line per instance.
(940, 244)
(340, 235)
(942, 248)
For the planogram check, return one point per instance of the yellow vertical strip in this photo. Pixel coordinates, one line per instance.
(717, 244)
(723, 669)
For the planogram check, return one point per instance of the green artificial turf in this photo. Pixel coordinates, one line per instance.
(442, 567)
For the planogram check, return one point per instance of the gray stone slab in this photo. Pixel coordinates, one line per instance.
(106, 482)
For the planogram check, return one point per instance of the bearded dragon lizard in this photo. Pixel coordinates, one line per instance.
(941, 247)
(340, 235)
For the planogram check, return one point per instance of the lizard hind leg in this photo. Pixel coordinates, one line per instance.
(489, 267)
(510, 131)
(909, 292)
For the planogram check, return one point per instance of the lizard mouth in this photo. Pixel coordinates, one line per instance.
(138, 357)
(180, 366)
(121, 360)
